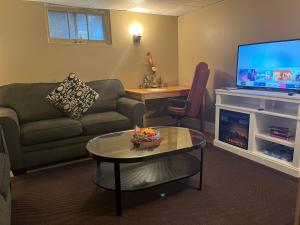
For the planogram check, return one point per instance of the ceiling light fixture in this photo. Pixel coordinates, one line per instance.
(139, 10)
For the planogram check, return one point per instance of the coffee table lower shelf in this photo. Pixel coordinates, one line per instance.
(147, 174)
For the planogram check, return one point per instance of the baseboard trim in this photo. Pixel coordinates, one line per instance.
(60, 164)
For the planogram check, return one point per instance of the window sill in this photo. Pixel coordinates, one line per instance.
(79, 42)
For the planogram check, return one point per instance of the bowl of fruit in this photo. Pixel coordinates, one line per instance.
(146, 137)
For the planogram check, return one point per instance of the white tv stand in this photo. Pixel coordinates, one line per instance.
(265, 109)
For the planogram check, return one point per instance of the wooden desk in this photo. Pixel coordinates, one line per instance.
(156, 93)
(166, 92)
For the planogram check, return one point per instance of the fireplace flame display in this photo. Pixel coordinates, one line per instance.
(234, 128)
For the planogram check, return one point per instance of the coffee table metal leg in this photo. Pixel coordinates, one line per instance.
(98, 168)
(201, 170)
(118, 188)
(98, 163)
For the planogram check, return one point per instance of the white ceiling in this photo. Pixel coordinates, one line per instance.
(161, 7)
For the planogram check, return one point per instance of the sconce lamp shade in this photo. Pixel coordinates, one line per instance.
(136, 39)
(137, 31)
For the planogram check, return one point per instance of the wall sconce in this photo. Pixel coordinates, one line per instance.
(136, 30)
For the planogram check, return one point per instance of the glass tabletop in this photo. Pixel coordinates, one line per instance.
(118, 147)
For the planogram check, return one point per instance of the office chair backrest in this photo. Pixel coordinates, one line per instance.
(197, 91)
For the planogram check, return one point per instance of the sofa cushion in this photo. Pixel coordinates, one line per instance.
(4, 174)
(110, 91)
(101, 123)
(57, 144)
(73, 96)
(33, 96)
(27, 97)
(49, 130)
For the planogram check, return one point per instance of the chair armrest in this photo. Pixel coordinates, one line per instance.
(11, 130)
(132, 109)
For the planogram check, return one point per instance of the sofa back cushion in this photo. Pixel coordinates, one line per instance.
(30, 103)
(109, 91)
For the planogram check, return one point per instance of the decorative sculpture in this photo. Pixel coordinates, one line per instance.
(150, 79)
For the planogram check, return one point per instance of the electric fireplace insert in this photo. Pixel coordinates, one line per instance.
(234, 128)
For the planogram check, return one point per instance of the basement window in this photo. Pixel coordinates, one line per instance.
(76, 25)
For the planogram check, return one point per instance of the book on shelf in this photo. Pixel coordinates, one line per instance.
(280, 152)
(282, 129)
(281, 132)
(282, 137)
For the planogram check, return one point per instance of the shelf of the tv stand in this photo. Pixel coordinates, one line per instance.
(289, 143)
(267, 112)
(257, 156)
(268, 95)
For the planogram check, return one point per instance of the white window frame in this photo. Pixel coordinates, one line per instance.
(100, 12)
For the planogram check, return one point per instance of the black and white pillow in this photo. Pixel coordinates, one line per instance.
(73, 96)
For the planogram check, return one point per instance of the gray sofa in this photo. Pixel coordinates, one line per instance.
(5, 197)
(38, 134)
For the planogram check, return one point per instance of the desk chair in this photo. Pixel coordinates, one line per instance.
(180, 108)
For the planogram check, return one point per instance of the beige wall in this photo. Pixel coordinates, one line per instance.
(26, 56)
(210, 34)
(213, 33)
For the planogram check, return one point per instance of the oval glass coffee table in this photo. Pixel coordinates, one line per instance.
(122, 167)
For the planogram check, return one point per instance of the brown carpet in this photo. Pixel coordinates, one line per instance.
(235, 192)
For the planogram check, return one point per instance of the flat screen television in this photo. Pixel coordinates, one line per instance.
(269, 65)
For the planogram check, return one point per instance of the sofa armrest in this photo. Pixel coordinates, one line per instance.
(11, 130)
(4, 167)
(132, 109)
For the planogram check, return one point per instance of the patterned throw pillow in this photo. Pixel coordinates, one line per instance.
(73, 96)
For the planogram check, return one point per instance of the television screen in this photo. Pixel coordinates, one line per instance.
(273, 65)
